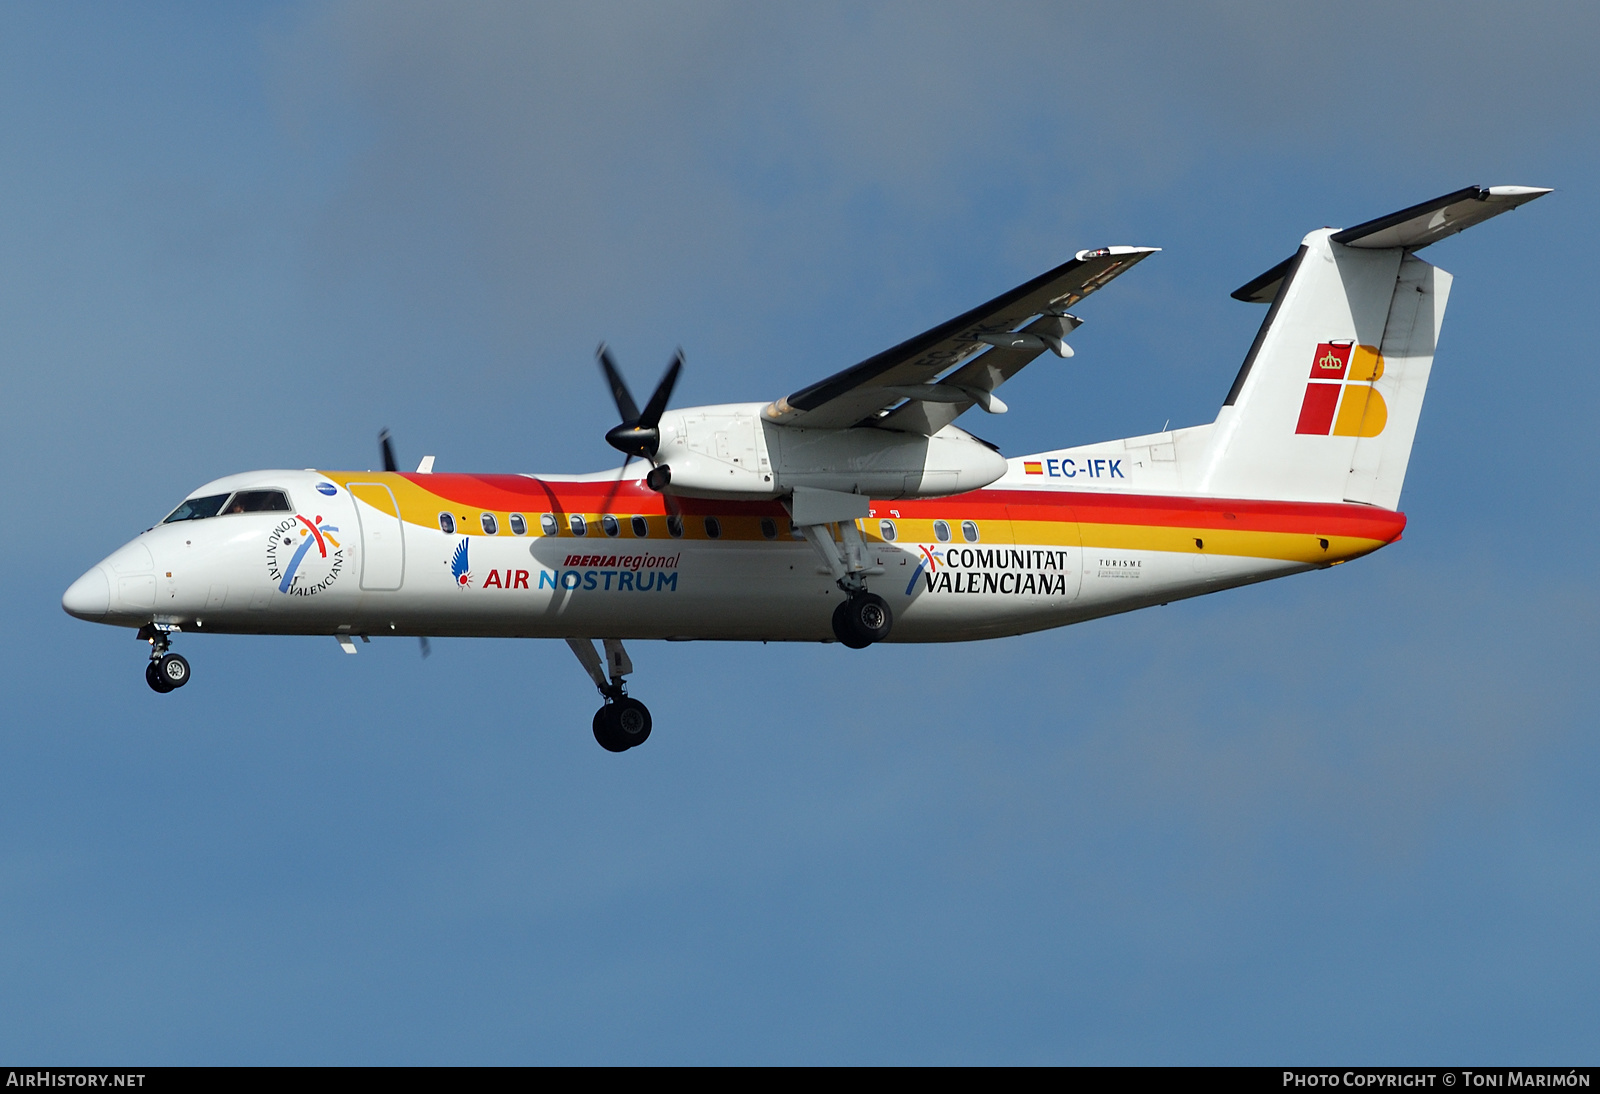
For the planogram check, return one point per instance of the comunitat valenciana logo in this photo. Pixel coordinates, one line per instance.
(303, 557)
(1341, 399)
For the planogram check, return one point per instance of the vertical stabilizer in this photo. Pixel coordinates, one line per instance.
(1326, 405)
(1291, 423)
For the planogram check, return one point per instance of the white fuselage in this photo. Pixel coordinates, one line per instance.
(1007, 559)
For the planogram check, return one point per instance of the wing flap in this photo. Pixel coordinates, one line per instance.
(941, 403)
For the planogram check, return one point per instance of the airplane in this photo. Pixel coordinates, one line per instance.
(853, 510)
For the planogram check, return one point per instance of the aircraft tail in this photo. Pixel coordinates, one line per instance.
(1326, 404)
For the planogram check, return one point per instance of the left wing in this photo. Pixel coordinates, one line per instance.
(910, 373)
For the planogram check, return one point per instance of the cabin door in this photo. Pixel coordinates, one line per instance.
(383, 547)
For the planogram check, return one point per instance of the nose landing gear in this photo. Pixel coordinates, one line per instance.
(167, 671)
(623, 723)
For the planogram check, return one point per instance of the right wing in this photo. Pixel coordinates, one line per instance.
(910, 373)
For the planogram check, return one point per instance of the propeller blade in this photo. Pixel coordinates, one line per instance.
(426, 649)
(619, 390)
(605, 506)
(658, 401)
(388, 451)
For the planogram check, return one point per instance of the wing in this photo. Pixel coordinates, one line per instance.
(979, 350)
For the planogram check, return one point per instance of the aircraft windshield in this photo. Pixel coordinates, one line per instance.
(259, 501)
(197, 508)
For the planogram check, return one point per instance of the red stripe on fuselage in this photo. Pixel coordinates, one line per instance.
(518, 493)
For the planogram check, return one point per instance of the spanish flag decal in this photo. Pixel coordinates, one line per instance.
(1032, 467)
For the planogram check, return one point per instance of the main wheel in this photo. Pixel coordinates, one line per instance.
(173, 670)
(152, 676)
(622, 725)
(606, 731)
(862, 620)
(844, 632)
(632, 720)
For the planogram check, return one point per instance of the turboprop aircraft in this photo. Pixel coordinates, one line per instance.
(853, 510)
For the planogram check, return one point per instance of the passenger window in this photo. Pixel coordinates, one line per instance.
(941, 531)
(969, 531)
(490, 525)
(769, 527)
(675, 526)
(197, 508)
(886, 528)
(579, 528)
(519, 527)
(260, 501)
(641, 527)
(609, 523)
(713, 528)
(549, 525)
(447, 524)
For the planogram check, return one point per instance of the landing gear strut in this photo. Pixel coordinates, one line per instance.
(167, 671)
(623, 723)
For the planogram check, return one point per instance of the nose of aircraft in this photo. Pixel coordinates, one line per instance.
(89, 597)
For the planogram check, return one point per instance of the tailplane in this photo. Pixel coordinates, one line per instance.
(1326, 404)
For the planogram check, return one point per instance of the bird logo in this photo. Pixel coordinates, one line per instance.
(459, 568)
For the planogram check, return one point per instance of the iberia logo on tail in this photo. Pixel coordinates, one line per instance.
(1341, 399)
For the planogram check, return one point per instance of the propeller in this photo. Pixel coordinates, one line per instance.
(639, 433)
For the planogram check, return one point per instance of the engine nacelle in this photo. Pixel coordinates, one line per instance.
(730, 451)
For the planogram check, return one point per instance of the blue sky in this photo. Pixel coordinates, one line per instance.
(1347, 816)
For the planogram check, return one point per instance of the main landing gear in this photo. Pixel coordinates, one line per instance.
(623, 723)
(167, 671)
(863, 618)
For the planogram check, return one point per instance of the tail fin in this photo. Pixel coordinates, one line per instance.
(1326, 404)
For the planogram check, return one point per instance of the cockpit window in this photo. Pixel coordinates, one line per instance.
(259, 501)
(197, 508)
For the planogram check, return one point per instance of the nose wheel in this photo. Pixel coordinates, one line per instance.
(166, 671)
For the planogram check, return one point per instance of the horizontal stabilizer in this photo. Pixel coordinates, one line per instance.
(1413, 229)
(1264, 288)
